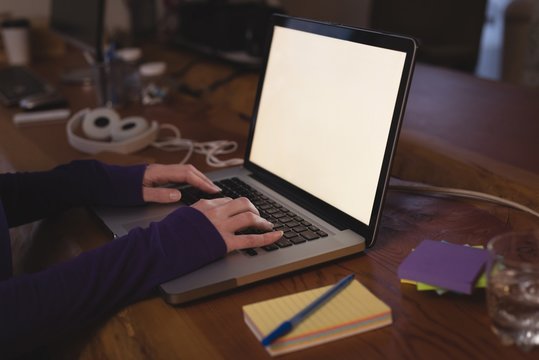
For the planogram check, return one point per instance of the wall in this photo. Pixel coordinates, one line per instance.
(25, 8)
(116, 12)
(347, 12)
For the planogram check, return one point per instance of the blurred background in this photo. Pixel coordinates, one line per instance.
(489, 38)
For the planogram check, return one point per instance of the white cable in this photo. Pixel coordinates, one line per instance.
(463, 193)
(212, 149)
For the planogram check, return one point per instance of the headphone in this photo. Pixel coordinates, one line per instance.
(104, 130)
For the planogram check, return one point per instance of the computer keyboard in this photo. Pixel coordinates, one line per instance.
(296, 229)
(18, 82)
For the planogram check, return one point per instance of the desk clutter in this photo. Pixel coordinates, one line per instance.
(442, 266)
(352, 311)
(18, 83)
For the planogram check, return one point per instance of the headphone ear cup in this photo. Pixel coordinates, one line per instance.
(128, 128)
(97, 124)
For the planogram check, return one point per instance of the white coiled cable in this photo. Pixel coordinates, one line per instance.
(212, 149)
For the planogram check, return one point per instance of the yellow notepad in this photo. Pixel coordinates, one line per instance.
(352, 311)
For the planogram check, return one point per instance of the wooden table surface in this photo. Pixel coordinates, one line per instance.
(425, 325)
(461, 131)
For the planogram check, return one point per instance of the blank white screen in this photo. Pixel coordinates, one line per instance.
(324, 116)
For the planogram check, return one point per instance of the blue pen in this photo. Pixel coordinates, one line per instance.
(288, 325)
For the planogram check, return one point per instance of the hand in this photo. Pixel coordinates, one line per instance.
(229, 216)
(157, 175)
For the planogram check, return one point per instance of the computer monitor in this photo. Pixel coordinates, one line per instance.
(80, 23)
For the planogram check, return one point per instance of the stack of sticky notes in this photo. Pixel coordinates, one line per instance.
(353, 310)
(442, 265)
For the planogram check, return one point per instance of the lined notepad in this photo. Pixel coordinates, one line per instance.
(354, 310)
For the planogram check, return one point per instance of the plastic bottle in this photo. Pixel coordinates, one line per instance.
(154, 88)
(130, 58)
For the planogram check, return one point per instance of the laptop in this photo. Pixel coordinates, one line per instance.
(326, 119)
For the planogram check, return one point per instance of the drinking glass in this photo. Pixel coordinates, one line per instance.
(513, 288)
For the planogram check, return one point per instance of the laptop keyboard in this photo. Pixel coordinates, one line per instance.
(296, 229)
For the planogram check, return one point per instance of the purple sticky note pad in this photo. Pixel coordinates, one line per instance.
(449, 266)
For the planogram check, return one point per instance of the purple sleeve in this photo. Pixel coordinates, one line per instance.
(30, 196)
(40, 307)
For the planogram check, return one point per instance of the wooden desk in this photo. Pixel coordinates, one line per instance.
(425, 325)
(476, 134)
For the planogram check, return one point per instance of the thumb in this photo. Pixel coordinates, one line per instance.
(160, 195)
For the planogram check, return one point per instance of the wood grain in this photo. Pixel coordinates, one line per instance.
(434, 148)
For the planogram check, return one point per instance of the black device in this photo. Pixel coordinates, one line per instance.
(80, 23)
(232, 31)
(44, 101)
(17, 83)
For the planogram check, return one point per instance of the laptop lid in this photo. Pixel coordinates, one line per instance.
(327, 115)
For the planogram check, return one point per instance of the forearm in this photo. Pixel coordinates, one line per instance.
(39, 307)
(30, 196)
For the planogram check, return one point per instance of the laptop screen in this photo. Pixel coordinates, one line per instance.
(324, 116)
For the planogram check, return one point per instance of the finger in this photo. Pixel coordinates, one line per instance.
(160, 195)
(162, 174)
(155, 174)
(238, 206)
(206, 204)
(190, 174)
(246, 220)
(199, 180)
(254, 240)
